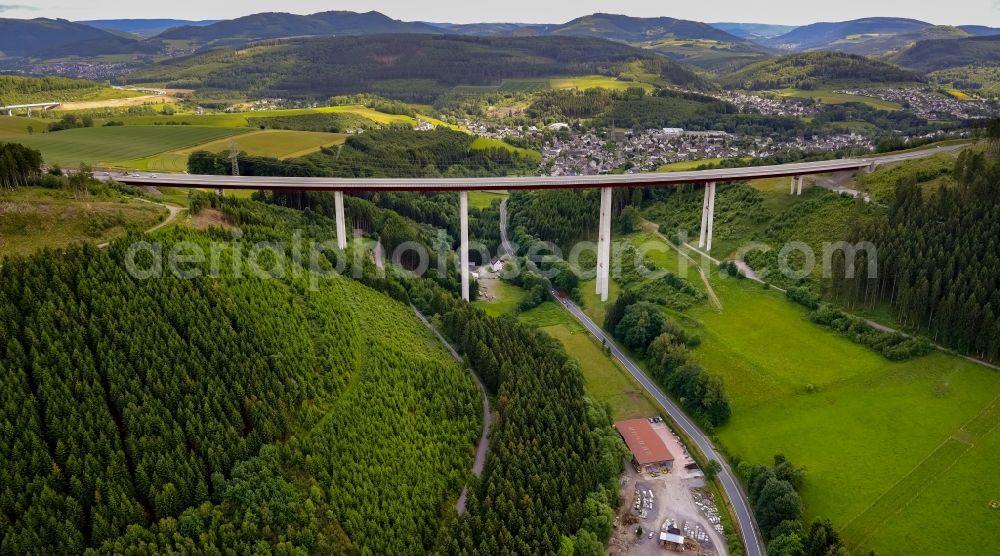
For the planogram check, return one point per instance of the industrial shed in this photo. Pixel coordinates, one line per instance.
(649, 452)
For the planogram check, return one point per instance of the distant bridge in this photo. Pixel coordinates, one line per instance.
(29, 107)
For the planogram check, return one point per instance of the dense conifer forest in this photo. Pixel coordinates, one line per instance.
(224, 413)
(938, 259)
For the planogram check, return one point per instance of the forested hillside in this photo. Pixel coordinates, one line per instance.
(813, 69)
(274, 25)
(35, 37)
(221, 413)
(940, 54)
(939, 261)
(838, 34)
(414, 68)
(640, 29)
(15, 89)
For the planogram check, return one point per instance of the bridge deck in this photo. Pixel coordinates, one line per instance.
(478, 184)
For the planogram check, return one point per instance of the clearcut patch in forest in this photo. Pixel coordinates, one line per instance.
(36, 218)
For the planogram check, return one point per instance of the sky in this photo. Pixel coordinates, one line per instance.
(789, 12)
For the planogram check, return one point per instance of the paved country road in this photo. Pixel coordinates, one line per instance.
(733, 491)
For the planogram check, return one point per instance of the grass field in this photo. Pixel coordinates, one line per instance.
(239, 119)
(483, 199)
(895, 453)
(35, 218)
(489, 143)
(603, 378)
(596, 82)
(18, 125)
(827, 96)
(271, 143)
(104, 144)
(508, 298)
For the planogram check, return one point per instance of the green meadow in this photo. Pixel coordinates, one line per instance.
(274, 143)
(828, 96)
(106, 144)
(892, 450)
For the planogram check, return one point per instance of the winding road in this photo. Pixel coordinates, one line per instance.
(174, 212)
(484, 440)
(733, 491)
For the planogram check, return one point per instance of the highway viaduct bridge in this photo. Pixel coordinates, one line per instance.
(43, 106)
(606, 183)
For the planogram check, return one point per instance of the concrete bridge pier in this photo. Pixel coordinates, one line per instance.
(800, 179)
(463, 219)
(338, 203)
(707, 217)
(604, 245)
(792, 190)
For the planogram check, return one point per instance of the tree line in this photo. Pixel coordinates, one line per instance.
(643, 328)
(939, 262)
(19, 165)
(773, 492)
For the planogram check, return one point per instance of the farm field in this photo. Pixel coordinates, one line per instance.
(827, 96)
(960, 95)
(270, 143)
(18, 125)
(596, 82)
(863, 427)
(239, 119)
(36, 218)
(105, 144)
(134, 99)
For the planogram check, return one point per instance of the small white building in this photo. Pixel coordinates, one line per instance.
(558, 126)
(668, 539)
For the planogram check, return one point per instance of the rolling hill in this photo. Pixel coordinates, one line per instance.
(277, 25)
(838, 35)
(887, 45)
(494, 29)
(816, 69)
(980, 30)
(36, 37)
(690, 42)
(143, 27)
(933, 55)
(414, 68)
(754, 31)
(623, 28)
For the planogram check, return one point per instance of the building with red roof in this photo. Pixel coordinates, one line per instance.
(649, 452)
